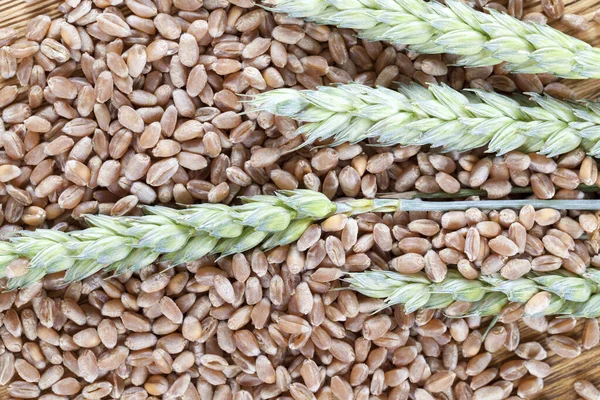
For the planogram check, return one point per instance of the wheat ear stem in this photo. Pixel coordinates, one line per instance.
(126, 244)
(438, 116)
(480, 39)
(472, 192)
(556, 293)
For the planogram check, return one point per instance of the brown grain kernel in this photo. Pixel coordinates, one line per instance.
(9, 172)
(7, 36)
(161, 171)
(50, 376)
(435, 268)
(408, 263)
(265, 157)
(555, 246)
(87, 338)
(8, 94)
(537, 368)
(563, 346)
(79, 127)
(130, 119)
(472, 344)
(8, 63)
(531, 351)
(480, 172)
(379, 163)
(488, 392)
(26, 371)
(23, 390)
(536, 17)
(7, 367)
(530, 386)
(477, 364)
(124, 205)
(13, 145)
(586, 390)
(515, 268)
(112, 25)
(503, 246)
(591, 334)
(574, 21)
(440, 381)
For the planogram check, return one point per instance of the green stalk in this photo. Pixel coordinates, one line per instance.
(479, 39)
(125, 244)
(471, 192)
(438, 116)
(569, 294)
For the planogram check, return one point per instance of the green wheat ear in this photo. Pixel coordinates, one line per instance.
(123, 244)
(571, 295)
(480, 39)
(441, 117)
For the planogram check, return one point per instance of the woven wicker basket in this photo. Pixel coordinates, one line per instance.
(17, 13)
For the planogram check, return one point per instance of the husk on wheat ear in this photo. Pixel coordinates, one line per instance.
(125, 244)
(481, 39)
(555, 293)
(438, 116)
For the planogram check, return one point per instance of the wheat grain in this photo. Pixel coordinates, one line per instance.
(438, 116)
(124, 244)
(569, 294)
(432, 28)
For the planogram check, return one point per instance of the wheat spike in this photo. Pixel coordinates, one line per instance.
(124, 244)
(438, 116)
(129, 243)
(432, 28)
(569, 294)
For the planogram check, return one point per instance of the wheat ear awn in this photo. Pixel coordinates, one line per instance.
(481, 39)
(569, 294)
(439, 116)
(126, 244)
